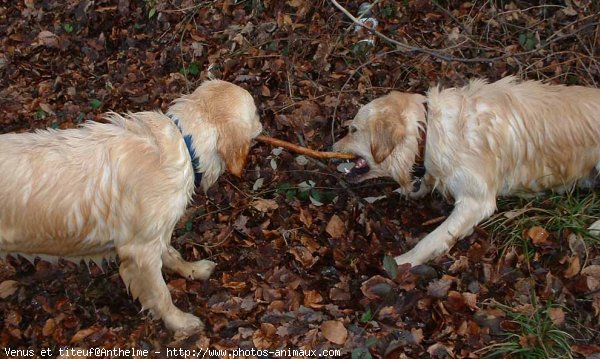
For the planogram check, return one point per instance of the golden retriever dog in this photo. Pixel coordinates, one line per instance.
(119, 188)
(482, 140)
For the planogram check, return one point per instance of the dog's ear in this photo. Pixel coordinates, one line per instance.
(386, 131)
(233, 147)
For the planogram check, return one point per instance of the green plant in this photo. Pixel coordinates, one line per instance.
(306, 190)
(95, 103)
(387, 11)
(193, 69)
(151, 5)
(68, 28)
(572, 212)
(40, 114)
(536, 335)
(528, 40)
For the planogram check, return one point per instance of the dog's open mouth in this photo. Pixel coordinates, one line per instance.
(361, 166)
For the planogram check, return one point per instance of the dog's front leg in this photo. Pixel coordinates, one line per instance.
(141, 270)
(467, 213)
(173, 261)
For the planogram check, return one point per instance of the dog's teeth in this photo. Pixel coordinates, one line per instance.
(345, 167)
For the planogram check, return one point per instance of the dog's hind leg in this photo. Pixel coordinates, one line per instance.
(141, 270)
(467, 213)
(173, 261)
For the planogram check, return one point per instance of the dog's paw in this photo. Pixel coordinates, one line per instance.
(184, 324)
(200, 269)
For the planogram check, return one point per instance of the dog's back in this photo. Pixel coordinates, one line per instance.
(525, 136)
(74, 192)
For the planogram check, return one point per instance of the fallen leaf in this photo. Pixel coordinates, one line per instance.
(82, 334)
(439, 288)
(265, 336)
(439, 350)
(312, 299)
(376, 287)
(264, 205)
(335, 227)
(577, 245)
(557, 316)
(305, 217)
(594, 229)
(539, 236)
(334, 331)
(470, 300)
(592, 270)
(49, 327)
(303, 255)
(586, 350)
(8, 288)
(417, 335)
(47, 38)
(574, 267)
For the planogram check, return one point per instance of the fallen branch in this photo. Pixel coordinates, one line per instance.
(303, 150)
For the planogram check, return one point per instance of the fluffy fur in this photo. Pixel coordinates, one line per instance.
(119, 188)
(483, 140)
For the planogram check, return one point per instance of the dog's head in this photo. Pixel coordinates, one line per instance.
(223, 120)
(384, 135)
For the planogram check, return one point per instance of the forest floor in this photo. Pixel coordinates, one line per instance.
(303, 259)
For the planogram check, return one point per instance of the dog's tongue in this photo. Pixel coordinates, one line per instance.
(360, 163)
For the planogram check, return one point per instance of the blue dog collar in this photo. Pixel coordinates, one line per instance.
(192, 151)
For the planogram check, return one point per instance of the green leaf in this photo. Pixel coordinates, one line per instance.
(361, 353)
(40, 114)
(306, 186)
(390, 266)
(151, 13)
(283, 187)
(54, 125)
(189, 225)
(95, 103)
(194, 69)
(387, 11)
(371, 341)
(317, 195)
(291, 194)
(522, 39)
(68, 28)
(303, 195)
(366, 316)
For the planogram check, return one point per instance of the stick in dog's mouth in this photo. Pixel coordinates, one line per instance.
(303, 150)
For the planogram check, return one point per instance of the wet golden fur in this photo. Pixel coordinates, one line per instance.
(483, 140)
(120, 188)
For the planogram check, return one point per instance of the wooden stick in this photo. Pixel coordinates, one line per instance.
(303, 150)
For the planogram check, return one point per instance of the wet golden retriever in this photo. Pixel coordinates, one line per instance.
(120, 187)
(482, 140)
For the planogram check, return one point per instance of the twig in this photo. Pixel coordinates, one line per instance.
(303, 150)
(362, 14)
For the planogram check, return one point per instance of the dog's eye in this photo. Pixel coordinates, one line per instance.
(353, 129)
